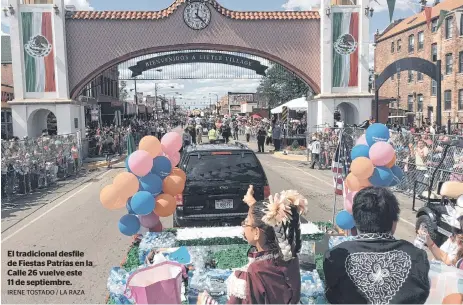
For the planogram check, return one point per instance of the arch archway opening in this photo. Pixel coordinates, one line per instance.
(147, 81)
(42, 121)
(349, 113)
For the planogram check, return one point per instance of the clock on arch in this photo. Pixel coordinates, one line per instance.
(197, 15)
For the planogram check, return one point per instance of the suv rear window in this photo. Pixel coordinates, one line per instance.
(225, 167)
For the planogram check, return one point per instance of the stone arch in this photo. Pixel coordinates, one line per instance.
(38, 121)
(192, 46)
(349, 113)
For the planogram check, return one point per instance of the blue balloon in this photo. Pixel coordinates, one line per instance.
(344, 220)
(129, 208)
(129, 224)
(398, 175)
(377, 133)
(161, 166)
(151, 183)
(382, 176)
(127, 164)
(142, 203)
(359, 151)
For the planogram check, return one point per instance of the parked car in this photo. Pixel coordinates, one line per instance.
(218, 177)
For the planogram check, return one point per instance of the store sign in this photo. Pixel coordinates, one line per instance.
(241, 98)
(192, 57)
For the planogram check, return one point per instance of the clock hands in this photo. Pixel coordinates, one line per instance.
(197, 16)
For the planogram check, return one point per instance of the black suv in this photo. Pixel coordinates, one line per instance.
(218, 177)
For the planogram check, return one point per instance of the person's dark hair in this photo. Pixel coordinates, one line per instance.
(291, 230)
(375, 209)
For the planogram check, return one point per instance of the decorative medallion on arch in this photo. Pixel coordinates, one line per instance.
(92, 46)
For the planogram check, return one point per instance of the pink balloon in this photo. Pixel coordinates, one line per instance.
(349, 201)
(362, 140)
(140, 163)
(381, 153)
(171, 141)
(174, 158)
(149, 221)
(157, 228)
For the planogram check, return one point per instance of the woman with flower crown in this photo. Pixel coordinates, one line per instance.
(272, 275)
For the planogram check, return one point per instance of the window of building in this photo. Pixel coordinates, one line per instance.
(434, 52)
(460, 99)
(448, 63)
(399, 45)
(419, 76)
(410, 76)
(392, 47)
(433, 87)
(38, 2)
(434, 25)
(447, 99)
(460, 59)
(419, 102)
(420, 41)
(411, 43)
(449, 27)
(410, 103)
(461, 25)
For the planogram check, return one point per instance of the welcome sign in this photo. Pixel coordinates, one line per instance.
(192, 57)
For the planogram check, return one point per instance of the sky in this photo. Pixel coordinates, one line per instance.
(195, 90)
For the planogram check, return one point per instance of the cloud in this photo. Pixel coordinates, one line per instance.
(371, 61)
(301, 5)
(400, 5)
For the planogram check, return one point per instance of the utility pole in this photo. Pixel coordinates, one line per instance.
(136, 97)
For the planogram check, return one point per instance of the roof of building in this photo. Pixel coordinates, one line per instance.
(419, 18)
(143, 15)
(6, 49)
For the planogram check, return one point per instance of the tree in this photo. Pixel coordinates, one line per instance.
(123, 93)
(281, 86)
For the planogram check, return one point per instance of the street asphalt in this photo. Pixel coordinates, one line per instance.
(72, 218)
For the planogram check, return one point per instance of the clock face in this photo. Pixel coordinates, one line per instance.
(197, 15)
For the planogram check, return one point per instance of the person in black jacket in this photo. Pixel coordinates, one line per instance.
(376, 268)
(261, 133)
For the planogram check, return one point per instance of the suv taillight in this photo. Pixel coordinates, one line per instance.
(179, 199)
(266, 191)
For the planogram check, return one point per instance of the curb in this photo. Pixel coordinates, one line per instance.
(280, 155)
(99, 164)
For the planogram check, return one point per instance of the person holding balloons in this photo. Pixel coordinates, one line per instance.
(375, 267)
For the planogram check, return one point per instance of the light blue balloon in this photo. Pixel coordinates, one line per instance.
(360, 151)
(127, 164)
(377, 133)
(344, 220)
(398, 175)
(129, 208)
(161, 166)
(142, 203)
(382, 176)
(151, 183)
(129, 225)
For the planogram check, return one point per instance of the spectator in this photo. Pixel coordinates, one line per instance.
(421, 154)
(375, 267)
(247, 132)
(276, 135)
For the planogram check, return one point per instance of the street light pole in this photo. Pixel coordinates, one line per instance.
(136, 97)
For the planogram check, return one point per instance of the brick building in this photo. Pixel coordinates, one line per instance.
(7, 88)
(413, 94)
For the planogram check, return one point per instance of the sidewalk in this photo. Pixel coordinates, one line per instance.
(99, 162)
(269, 149)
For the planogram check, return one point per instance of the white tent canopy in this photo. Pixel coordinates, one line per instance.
(299, 104)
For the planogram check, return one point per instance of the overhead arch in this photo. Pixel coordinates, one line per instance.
(409, 63)
(182, 47)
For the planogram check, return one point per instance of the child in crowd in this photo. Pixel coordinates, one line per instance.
(272, 275)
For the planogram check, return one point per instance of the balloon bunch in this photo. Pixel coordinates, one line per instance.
(150, 185)
(373, 164)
